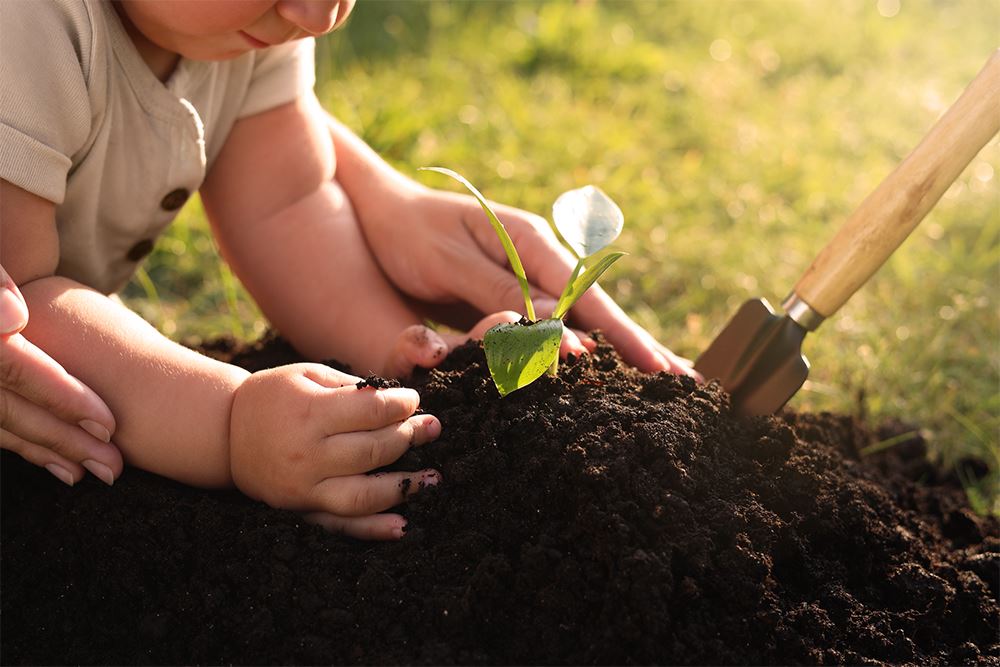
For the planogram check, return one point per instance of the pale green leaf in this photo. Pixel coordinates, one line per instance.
(587, 219)
(518, 354)
(508, 245)
(583, 282)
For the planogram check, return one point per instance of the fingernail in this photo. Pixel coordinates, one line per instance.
(95, 429)
(100, 471)
(401, 393)
(430, 478)
(432, 425)
(65, 476)
(13, 314)
(399, 531)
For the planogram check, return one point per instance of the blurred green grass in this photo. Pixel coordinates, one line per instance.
(736, 136)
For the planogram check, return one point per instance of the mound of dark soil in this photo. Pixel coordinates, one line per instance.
(602, 517)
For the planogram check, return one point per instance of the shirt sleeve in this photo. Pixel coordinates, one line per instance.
(280, 75)
(44, 99)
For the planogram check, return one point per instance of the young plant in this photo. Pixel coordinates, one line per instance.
(585, 221)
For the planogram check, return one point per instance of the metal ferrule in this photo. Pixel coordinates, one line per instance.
(801, 312)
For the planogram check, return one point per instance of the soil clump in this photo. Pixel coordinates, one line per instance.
(601, 517)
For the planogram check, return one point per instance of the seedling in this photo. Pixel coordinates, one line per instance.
(585, 221)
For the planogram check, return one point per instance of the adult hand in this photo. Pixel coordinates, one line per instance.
(47, 416)
(446, 252)
(419, 345)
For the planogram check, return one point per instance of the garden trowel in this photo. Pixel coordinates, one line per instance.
(758, 355)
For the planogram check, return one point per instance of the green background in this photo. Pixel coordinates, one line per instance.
(736, 137)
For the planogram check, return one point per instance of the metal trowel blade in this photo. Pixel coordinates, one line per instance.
(758, 359)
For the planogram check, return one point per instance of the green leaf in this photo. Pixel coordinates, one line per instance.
(508, 245)
(569, 285)
(587, 220)
(518, 354)
(583, 283)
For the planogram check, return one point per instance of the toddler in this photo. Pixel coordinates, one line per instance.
(132, 106)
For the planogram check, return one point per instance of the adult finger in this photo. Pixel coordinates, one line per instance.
(489, 286)
(680, 365)
(64, 470)
(361, 451)
(361, 495)
(13, 310)
(546, 262)
(597, 310)
(38, 426)
(639, 348)
(570, 343)
(28, 371)
(586, 340)
(374, 527)
(545, 308)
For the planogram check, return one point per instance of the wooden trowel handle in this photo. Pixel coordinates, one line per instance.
(902, 200)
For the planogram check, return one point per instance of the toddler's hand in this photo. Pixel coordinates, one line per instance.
(302, 437)
(419, 345)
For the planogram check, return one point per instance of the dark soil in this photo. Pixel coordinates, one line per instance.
(602, 517)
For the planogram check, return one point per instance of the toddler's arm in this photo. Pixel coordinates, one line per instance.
(68, 427)
(171, 404)
(289, 232)
(298, 437)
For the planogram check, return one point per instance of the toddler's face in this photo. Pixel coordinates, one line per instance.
(222, 29)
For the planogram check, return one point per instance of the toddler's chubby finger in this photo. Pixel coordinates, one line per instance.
(327, 377)
(361, 495)
(374, 527)
(351, 409)
(361, 451)
(417, 345)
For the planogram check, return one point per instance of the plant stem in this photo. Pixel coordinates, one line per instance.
(569, 287)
